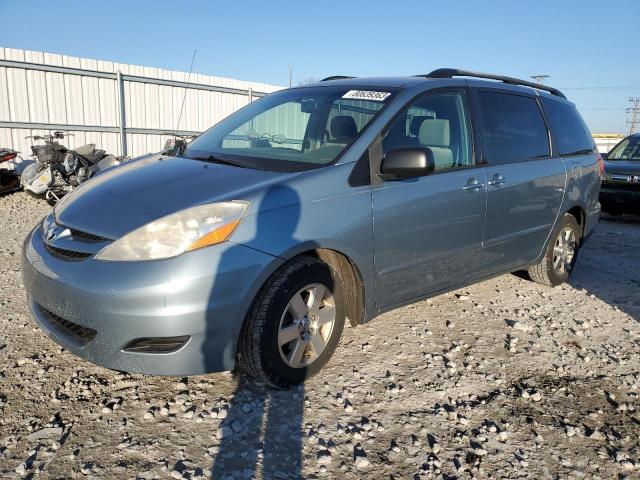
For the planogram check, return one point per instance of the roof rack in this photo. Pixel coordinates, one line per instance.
(336, 77)
(454, 72)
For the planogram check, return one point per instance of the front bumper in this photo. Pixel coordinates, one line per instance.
(628, 198)
(203, 294)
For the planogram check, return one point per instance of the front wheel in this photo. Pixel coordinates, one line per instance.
(560, 255)
(294, 325)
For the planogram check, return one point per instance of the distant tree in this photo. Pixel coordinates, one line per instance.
(308, 80)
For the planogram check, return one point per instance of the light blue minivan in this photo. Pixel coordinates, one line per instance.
(309, 207)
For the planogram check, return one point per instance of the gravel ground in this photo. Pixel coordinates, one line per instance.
(504, 379)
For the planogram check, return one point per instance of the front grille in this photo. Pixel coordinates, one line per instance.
(156, 344)
(90, 237)
(66, 254)
(82, 334)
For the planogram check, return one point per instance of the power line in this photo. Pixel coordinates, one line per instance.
(634, 110)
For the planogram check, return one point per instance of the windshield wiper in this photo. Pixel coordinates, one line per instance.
(214, 159)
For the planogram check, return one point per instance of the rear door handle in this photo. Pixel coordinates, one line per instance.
(473, 184)
(496, 180)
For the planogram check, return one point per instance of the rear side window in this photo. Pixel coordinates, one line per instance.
(571, 133)
(514, 129)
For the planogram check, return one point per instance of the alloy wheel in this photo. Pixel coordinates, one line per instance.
(306, 325)
(564, 250)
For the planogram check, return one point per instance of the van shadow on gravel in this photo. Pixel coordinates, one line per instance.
(607, 267)
(261, 437)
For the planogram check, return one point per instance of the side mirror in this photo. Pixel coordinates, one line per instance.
(407, 162)
(604, 155)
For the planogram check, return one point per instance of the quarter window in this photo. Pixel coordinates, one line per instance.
(571, 133)
(514, 129)
(439, 122)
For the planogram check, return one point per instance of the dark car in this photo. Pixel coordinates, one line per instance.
(620, 191)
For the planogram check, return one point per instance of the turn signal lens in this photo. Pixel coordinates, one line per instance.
(217, 236)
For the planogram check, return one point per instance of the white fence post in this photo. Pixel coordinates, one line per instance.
(123, 115)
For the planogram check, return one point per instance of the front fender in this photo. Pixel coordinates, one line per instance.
(342, 223)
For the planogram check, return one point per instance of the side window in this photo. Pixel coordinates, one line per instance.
(440, 122)
(514, 129)
(571, 133)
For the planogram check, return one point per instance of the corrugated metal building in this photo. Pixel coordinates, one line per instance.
(40, 92)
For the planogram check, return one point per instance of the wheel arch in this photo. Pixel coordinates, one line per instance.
(345, 265)
(351, 279)
(579, 213)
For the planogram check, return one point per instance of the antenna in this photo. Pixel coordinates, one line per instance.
(184, 98)
(539, 78)
(634, 111)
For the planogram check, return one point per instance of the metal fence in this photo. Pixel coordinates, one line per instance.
(122, 108)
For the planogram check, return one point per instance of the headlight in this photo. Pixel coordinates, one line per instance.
(190, 229)
(47, 222)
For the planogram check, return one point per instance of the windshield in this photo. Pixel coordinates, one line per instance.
(291, 130)
(628, 149)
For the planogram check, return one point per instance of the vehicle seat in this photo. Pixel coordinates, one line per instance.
(343, 129)
(435, 134)
(416, 123)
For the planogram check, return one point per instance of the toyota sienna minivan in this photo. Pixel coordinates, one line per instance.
(308, 208)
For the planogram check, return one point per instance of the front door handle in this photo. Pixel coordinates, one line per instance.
(496, 180)
(473, 184)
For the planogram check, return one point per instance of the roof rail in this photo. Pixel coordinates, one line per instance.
(454, 72)
(336, 77)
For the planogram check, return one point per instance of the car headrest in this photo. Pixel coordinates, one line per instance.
(343, 128)
(435, 133)
(416, 123)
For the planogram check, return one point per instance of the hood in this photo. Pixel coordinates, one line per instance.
(138, 192)
(625, 167)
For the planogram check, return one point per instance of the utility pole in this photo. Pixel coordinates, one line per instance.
(539, 78)
(290, 77)
(634, 110)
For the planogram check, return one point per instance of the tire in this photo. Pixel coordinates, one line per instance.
(278, 327)
(558, 262)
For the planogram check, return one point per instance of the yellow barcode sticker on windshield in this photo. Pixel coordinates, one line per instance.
(374, 95)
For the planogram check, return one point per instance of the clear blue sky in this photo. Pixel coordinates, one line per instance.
(580, 43)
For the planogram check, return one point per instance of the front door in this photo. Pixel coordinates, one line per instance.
(428, 230)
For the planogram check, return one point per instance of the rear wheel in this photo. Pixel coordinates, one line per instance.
(295, 324)
(560, 255)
